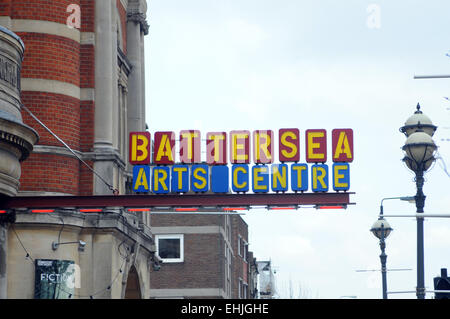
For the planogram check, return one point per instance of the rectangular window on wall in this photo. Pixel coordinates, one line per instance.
(170, 248)
(239, 246)
(240, 289)
(244, 250)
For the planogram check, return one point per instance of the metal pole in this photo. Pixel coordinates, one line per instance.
(420, 203)
(383, 258)
(443, 76)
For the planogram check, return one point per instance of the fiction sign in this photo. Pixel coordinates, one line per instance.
(229, 158)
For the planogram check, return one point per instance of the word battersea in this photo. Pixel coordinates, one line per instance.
(239, 147)
(193, 174)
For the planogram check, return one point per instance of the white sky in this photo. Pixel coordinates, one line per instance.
(217, 65)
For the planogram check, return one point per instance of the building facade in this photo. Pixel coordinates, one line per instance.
(204, 256)
(82, 77)
(266, 281)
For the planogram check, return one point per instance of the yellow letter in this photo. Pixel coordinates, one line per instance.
(277, 177)
(264, 146)
(164, 149)
(292, 146)
(179, 171)
(190, 136)
(136, 148)
(199, 177)
(319, 178)
(257, 178)
(236, 147)
(217, 150)
(312, 145)
(342, 146)
(235, 173)
(338, 176)
(299, 170)
(158, 179)
(141, 180)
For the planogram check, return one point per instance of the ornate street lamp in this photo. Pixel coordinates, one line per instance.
(381, 229)
(419, 151)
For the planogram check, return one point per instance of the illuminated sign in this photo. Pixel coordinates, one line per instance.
(241, 161)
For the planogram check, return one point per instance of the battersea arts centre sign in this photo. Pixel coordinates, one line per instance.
(241, 161)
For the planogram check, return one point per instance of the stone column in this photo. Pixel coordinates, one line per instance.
(104, 96)
(103, 74)
(143, 123)
(137, 28)
(135, 92)
(16, 138)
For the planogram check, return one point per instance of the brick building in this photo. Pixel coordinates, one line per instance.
(83, 77)
(203, 257)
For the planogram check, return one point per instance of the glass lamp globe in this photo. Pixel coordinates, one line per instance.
(419, 151)
(379, 226)
(418, 121)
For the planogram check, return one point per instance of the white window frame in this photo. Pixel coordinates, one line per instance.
(171, 236)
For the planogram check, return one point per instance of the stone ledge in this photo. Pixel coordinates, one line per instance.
(112, 220)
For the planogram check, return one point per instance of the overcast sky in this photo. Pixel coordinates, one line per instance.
(222, 65)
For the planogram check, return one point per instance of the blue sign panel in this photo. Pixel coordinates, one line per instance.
(141, 178)
(200, 178)
(180, 179)
(299, 177)
(341, 176)
(161, 179)
(260, 178)
(219, 179)
(240, 178)
(279, 177)
(319, 177)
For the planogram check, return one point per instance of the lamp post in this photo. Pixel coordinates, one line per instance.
(381, 229)
(419, 151)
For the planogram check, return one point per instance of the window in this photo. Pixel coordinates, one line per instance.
(239, 246)
(245, 250)
(170, 248)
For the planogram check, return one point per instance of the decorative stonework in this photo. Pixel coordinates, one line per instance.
(16, 138)
(140, 18)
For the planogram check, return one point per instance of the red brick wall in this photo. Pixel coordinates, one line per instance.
(87, 15)
(186, 220)
(204, 255)
(50, 173)
(42, 10)
(51, 57)
(238, 228)
(86, 177)
(87, 66)
(60, 113)
(202, 266)
(86, 125)
(5, 8)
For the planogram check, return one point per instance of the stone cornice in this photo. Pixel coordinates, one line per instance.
(111, 220)
(19, 136)
(99, 154)
(140, 18)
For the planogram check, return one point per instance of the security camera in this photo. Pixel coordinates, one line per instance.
(156, 262)
(81, 245)
(156, 267)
